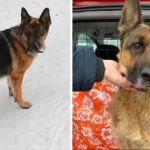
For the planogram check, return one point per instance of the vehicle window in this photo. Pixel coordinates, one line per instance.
(85, 40)
(102, 35)
(110, 41)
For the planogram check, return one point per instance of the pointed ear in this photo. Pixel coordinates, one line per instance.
(131, 16)
(25, 17)
(45, 18)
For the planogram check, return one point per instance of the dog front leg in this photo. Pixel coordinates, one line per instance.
(17, 78)
(10, 88)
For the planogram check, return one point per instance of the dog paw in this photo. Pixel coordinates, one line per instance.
(24, 104)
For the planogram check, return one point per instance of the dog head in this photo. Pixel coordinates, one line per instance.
(34, 30)
(134, 57)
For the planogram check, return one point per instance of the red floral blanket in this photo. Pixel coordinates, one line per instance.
(91, 118)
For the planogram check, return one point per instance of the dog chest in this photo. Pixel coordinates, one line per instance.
(131, 116)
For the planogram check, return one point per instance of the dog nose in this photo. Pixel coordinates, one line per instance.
(145, 73)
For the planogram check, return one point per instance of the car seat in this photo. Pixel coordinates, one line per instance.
(107, 52)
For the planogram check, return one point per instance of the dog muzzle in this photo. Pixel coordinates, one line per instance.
(34, 48)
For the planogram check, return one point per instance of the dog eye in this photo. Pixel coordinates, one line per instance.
(137, 47)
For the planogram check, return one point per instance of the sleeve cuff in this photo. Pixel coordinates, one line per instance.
(100, 70)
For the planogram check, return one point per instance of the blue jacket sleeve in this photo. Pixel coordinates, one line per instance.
(87, 68)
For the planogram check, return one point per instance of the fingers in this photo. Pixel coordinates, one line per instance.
(125, 82)
(127, 85)
(113, 75)
(130, 88)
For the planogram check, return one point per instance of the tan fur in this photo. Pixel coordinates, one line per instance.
(22, 57)
(17, 75)
(131, 110)
(21, 62)
(131, 119)
(34, 20)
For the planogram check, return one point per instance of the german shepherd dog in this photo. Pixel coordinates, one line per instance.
(131, 110)
(18, 47)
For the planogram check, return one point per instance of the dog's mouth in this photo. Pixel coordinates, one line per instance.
(138, 83)
(34, 48)
(141, 85)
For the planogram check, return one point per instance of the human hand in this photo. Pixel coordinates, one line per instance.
(113, 75)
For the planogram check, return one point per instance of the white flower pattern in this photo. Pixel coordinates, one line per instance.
(91, 118)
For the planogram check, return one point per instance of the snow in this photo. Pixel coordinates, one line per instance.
(46, 125)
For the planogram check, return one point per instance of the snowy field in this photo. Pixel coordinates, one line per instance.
(45, 126)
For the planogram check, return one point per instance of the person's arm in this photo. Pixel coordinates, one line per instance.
(87, 68)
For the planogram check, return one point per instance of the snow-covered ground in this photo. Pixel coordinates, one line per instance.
(45, 126)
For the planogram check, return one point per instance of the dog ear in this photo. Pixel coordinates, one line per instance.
(45, 18)
(25, 17)
(131, 16)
